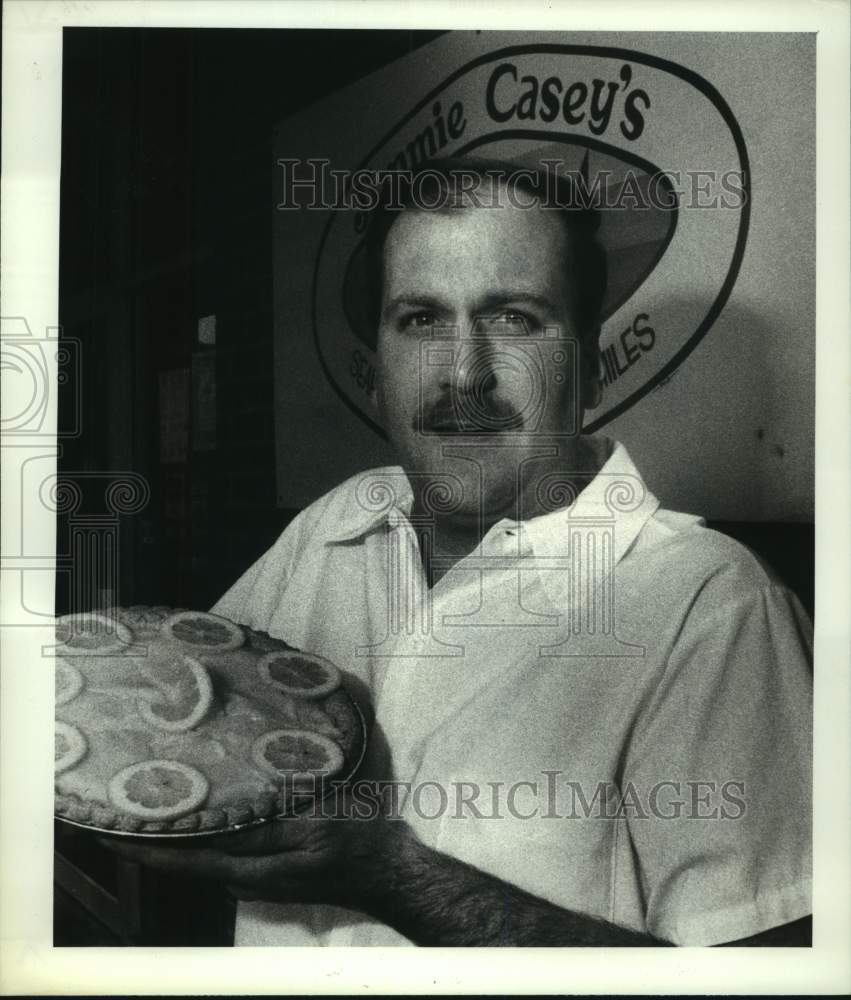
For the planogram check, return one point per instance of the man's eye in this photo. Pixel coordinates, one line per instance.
(509, 317)
(419, 320)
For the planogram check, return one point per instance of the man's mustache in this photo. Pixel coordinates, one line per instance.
(468, 413)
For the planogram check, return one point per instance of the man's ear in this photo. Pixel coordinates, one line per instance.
(593, 394)
(591, 370)
(374, 391)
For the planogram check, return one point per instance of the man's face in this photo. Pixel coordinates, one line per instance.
(477, 351)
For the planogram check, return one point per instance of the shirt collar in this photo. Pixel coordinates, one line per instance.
(613, 508)
(615, 499)
(378, 496)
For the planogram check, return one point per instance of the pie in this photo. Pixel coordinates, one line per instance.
(174, 721)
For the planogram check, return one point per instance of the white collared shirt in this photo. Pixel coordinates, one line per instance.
(608, 705)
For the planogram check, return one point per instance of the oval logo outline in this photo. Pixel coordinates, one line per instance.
(603, 52)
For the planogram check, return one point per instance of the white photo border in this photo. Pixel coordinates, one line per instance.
(29, 256)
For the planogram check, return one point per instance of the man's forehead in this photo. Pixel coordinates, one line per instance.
(487, 216)
(476, 246)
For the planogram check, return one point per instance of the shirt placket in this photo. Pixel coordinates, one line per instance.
(411, 698)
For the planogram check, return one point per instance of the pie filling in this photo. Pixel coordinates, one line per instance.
(176, 721)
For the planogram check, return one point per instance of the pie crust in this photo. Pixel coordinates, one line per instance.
(171, 726)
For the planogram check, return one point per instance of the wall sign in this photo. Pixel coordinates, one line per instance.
(601, 112)
(707, 218)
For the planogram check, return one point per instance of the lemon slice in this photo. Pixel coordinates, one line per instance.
(91, 634)
(297, 754)
(299, 674)
(158, 789)
(182, 697)
(69, 681)
(143, 617)
(69, 746)
(202, 631)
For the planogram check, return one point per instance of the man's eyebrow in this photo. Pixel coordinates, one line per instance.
(503, 297)
(414, 302)
(490, 301)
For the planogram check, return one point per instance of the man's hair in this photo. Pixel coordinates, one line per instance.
(462, 182)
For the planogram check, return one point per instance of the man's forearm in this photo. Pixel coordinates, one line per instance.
(434, 899)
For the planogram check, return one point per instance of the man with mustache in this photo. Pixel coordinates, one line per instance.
(596, 712)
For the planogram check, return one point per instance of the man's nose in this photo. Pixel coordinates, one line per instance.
(474, 372)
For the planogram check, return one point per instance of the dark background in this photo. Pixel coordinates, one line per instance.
(167, 204)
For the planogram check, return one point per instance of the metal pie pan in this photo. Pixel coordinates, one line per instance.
(181, 836)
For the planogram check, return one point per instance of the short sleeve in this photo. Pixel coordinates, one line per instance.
(721, 768)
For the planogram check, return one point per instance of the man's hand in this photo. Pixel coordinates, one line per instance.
(316, 857)
(378, 866)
